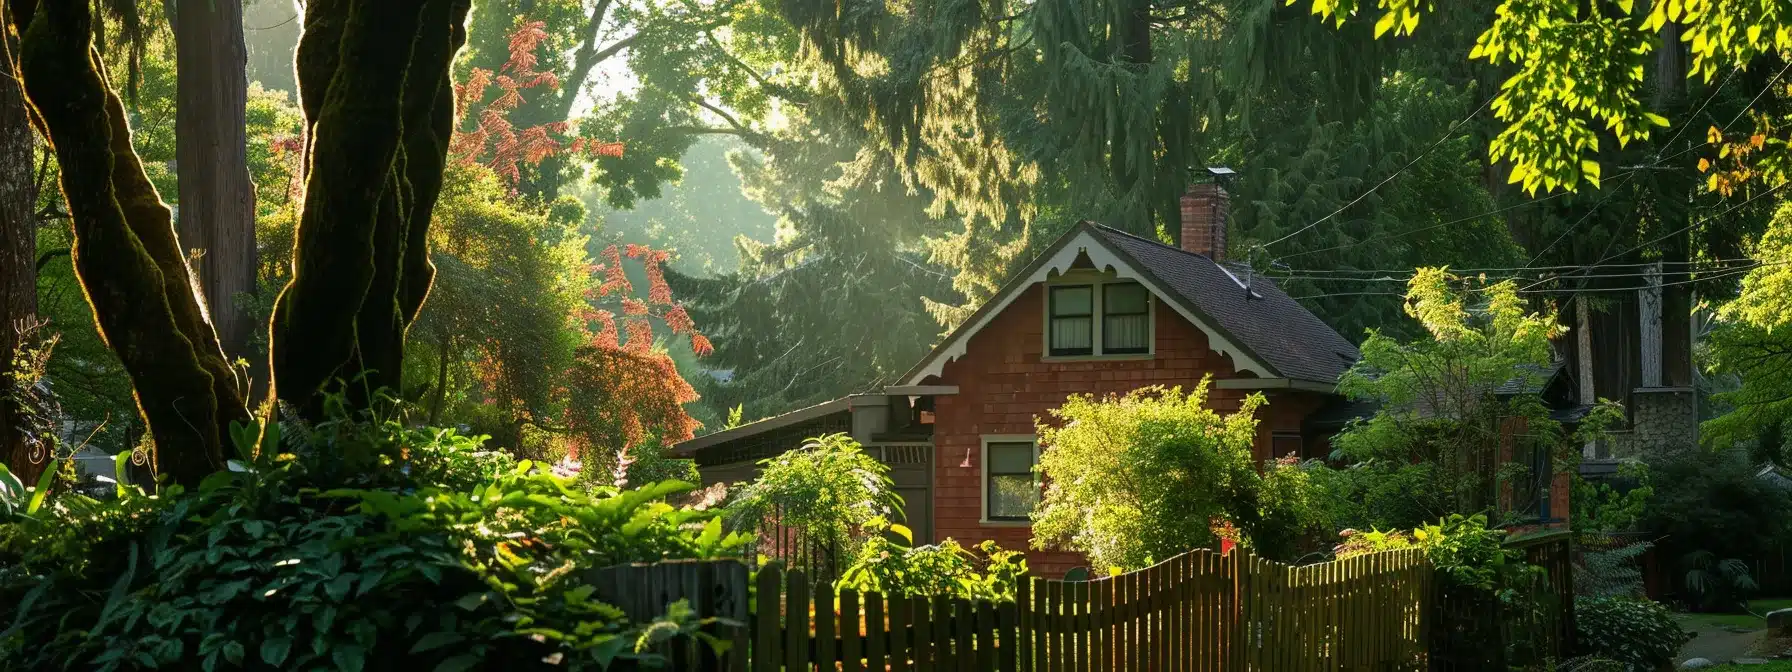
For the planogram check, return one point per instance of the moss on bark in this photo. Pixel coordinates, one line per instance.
(153, 224)
(354, 148)
(121, 278)
(429, 124)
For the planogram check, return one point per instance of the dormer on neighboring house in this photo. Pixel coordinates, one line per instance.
(1100, 311)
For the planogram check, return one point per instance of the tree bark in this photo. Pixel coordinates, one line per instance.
(18, 243)
(125, 251)
(217, 199)
(378, 140)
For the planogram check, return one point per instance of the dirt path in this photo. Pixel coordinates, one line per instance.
(1718, 645)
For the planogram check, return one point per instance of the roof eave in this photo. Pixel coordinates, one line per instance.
(1055, 258)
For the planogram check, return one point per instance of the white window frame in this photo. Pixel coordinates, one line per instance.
(1096, 282)
(983, 477)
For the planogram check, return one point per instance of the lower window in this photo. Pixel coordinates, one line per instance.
(1010, 488)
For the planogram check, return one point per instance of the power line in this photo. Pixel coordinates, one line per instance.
(1725, 129)
(1701, 222)
(1388, 236)
(1297, 271)
(1440, 141)
(1727, 273)
(1658, 161)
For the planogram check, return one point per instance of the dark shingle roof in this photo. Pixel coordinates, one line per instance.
(1275, 328)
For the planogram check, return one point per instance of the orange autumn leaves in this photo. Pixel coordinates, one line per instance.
(494, 141)
(625, 390)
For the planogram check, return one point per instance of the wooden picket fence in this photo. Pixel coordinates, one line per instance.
(1197, 612)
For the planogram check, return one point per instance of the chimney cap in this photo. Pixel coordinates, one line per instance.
(1221, 171)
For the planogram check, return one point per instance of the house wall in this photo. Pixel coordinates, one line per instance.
(1003, 385)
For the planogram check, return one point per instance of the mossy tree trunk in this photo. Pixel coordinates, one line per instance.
(379, 110)
(375, 88)
(125, 250)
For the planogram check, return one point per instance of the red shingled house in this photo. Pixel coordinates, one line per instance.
(1100, 311)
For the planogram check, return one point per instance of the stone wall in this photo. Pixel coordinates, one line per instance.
(1662, 420)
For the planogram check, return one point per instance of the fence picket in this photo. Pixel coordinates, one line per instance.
(1023, 622)
(827, 630)
(964, 636)
(1155, 604)
(924, 633)
(902, 611)
(943, 643)
(765, 645)
(796, 622)
(1080, 624)
(1007, 640)
(986, 634)
(1052, 640)
(1099, 642)
(851, 640)
(877, 637)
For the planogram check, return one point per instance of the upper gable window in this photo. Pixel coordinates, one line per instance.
(1098, 318)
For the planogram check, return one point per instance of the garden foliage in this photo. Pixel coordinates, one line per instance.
(1142, 476)
(946, 569)
(1638, 633)
(829, 492)
(370, 545)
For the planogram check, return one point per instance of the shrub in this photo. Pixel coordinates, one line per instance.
(1143, 476)
(886, 566)
(1460, 547)
(1610, 569)
(369, 546)
(1640, 634)
(827, 491)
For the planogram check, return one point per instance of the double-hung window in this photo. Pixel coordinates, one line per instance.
(1105, 318)
(1010, 489)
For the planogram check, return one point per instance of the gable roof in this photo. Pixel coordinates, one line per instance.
(1261, 329)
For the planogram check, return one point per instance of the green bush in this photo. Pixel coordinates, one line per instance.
(1462, 548)
(827, 491)
(1640, 634)
(1148, 475)
(369, 546)
(887, 566)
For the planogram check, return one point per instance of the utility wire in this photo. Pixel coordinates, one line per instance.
(1389, 236)
(1719, 276)
(1658, 161)
(1491, 269)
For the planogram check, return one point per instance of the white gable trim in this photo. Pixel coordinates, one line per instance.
(1105, 260)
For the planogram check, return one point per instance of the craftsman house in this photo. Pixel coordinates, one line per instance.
(1100, 311)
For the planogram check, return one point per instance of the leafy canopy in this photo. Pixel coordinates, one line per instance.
(1578, 69)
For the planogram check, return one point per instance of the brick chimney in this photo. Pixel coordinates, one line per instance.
(1204, 211)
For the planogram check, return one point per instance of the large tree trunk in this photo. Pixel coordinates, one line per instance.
(217, 200)
(125, 250)
(18, 246)
(379, 109)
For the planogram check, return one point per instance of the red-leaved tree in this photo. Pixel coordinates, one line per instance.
(497, 143)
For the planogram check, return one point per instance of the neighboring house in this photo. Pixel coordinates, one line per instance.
(1100, 312)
